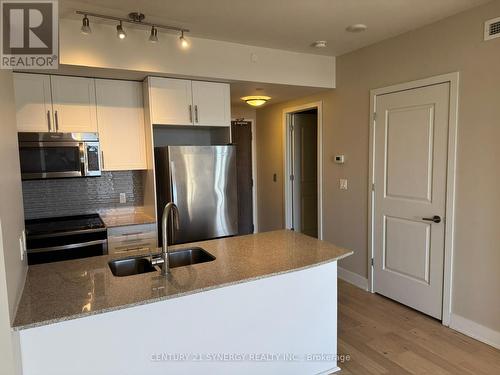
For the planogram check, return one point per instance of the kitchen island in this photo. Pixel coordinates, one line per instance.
(267, 304)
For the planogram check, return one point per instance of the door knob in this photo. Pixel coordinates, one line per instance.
(436, 219)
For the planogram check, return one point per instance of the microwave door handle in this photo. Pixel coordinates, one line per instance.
(83, 159)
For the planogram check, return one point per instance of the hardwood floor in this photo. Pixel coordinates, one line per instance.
(384, 337)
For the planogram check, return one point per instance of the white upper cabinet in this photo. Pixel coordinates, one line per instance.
(33, 103)
(74, 104)
(120, 119)
(170, 101)
(185, 102)
(211, 102)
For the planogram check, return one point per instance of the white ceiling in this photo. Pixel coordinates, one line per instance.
(285, 24)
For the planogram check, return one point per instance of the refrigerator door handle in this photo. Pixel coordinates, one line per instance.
(173, 182)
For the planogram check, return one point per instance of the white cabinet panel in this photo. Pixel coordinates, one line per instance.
(33, 102)
(132, 238)
(120, 120)
(170, 101)
(74, 104)
(211, 102)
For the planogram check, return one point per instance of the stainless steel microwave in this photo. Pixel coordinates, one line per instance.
(59, 155)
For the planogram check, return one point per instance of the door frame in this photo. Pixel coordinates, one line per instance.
(453, 79)
(287, 160)
(254, 169)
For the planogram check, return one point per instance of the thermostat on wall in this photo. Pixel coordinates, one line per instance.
(339, 159)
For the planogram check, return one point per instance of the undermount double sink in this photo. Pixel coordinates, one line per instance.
(143, 264)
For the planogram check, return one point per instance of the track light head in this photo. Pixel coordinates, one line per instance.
(183, 40)
(120, 33)
(86, 26)
(153, 38)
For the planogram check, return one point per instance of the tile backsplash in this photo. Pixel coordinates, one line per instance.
(75, 196)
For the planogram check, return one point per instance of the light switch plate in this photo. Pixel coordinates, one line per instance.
(343, 184)
(123, 198)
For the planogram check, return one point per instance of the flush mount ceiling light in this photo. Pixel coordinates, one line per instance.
(356, 28)
(120, 33)
(319, 44)
(86, 26)
(135, 18)
(256, 100)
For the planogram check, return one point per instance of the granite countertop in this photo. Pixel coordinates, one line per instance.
(119, 218)
(56, 292)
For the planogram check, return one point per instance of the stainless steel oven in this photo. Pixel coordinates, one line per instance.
(59, 155)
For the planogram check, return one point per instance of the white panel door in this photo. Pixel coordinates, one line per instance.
(120, 119)
(212, 104)
(33, 102)
(411, 142)
(170, 101)
(74, 104)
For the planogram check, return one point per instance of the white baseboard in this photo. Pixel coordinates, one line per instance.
(475, 330)
(352, 278)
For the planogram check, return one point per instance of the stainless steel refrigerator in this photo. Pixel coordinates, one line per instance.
(201, 181)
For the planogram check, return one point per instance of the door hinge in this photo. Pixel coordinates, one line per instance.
(292, 177)
(373, 187)
(251, 182)
(374, 116)
(291, 127)
(372, 262)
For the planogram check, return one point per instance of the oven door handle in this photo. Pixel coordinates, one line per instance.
(67, 247)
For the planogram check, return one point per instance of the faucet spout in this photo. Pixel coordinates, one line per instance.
(170, 207)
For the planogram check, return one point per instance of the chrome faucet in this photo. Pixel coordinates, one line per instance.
(169, 207)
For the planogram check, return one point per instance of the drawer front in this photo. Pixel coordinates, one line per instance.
(131, 229)
(131, 246)
(123, 240)
(132, 237)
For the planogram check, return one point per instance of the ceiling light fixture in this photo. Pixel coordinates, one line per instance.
(184, 42)
(256, 100)
(120, 33)
(356, 28)
(319, 44)
(135, 18)
(153, 38)
(86, 25)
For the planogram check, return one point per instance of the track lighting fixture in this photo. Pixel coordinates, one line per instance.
(86, 25)
(183, 40)
(135, 18)
(153, 38)
(120, 33)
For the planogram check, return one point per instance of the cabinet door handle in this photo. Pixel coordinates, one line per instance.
(57, 121)
(190, 113)
(196, 113)
(48, 121)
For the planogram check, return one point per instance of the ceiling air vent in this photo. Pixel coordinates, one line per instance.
(492, 29)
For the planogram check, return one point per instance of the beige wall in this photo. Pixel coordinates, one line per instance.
(454, 44)
(243, 111)
(12, 269)
(206, 59)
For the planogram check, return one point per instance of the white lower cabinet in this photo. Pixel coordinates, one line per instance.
(120, 118)
(131, 238)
